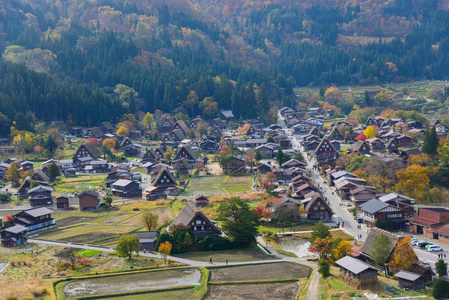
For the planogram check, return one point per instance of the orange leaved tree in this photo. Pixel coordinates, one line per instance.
(403, 255)
(165, 250)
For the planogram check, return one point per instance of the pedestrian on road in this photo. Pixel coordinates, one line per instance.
(210, 259)
(226, 262)
(438, 255)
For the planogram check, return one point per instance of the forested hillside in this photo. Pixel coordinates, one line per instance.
(224, 51)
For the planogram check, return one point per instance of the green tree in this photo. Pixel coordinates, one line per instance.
(12, 174)
(280, 157)
(320, 230)
(263, 100)
(240, 222)
(431, 141)
(4, 198)
(33, 184)
(258, 155)
(270, 139)
(298, 156)
(441, 267)
(324, 267)
(127, 244)
(50, 144)
(440, 289)
(108, 201)
(380, 250)
(53, 171)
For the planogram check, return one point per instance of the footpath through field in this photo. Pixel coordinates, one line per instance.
(189, 262)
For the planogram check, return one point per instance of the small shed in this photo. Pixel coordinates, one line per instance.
(89, 200)
(62, 202)
(201, 200)
(357, 273)
(410, 280)
(147, 239)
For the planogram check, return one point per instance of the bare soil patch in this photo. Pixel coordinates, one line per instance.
(260, 272)
(163, 213)
(115, 218)
(73, 220)
(255, 291)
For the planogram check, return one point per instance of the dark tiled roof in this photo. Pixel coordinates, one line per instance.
(90, 193)
(354, 265)
(410, 276)
(37, 212)
(373, 206)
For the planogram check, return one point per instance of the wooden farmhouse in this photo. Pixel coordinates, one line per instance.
(197, 222)
(35, 219)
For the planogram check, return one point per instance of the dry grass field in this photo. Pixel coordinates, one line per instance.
(86, 229)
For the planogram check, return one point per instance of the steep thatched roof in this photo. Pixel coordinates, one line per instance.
(373, 234)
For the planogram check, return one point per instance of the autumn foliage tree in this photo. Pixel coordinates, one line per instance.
(93, 141)
(322, 247)
(333, 96)
(414, 181)
(165, 250)
(342, 249)
(369, 132)
(150, 221)
(361, 137)
(12, 174)
(403, 255)
(110, 143)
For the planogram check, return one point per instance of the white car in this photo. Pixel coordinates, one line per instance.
(434, 248)
(415, 242)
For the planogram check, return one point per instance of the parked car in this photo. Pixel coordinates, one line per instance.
(426, 263)
(415, 242)
(423, 244)
(434, 248)
(427, 246)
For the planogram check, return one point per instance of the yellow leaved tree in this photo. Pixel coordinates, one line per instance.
(403, 255)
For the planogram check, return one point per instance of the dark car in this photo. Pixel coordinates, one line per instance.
(423, 244)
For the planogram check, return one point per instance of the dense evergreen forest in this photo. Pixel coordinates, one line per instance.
(75, 57)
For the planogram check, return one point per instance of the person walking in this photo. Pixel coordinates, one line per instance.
(210, 259)
(226, 262)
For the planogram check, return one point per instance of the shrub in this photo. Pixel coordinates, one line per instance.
(440, 289)
(324, 267)
(63, 266)
(40, 291)
(160, 202)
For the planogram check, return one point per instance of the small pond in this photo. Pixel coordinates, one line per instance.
(132, 282)
(295, 245)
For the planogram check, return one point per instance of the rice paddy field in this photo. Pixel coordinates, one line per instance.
(212, 185)
(132, 282)
(418, 87)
